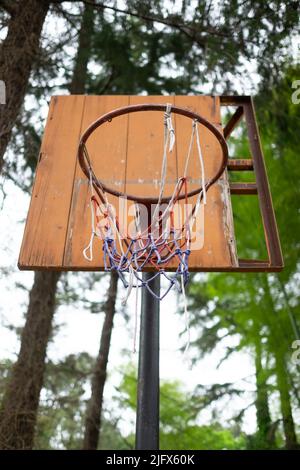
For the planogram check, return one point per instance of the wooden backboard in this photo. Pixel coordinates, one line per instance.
(126, 154)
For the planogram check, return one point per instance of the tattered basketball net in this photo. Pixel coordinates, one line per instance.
(161, 242)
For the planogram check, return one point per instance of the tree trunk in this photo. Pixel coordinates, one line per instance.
(285, 401)
(292, 317)
(264, 423)
(281, 375)
(17, 55)
(94, 408)
(19, 411)
(79, 77)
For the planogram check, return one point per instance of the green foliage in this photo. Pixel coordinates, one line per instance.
(279, 121)
(260, 312)
(159, 48)
(179, 413)
(62, 409)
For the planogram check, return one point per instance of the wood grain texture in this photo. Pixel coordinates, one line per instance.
(126, 154)
(107, 150)
(47, 221)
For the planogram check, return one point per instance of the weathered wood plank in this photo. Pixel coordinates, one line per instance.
(107, 149)
(46, 226)
(126, 154)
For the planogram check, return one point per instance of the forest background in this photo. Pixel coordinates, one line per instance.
(67, 370)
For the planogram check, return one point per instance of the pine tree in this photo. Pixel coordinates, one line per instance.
(18, 52)
(20, 403)
(92, 432)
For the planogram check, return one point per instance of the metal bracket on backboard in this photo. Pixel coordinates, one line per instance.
(245, 108)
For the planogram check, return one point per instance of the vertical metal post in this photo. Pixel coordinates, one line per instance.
(147, 418)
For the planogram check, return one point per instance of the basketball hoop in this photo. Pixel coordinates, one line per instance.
(161, 242)
(57, 225)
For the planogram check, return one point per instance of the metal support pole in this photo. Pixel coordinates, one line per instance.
(147, 418)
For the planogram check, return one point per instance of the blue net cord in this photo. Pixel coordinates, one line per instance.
(121, 263)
